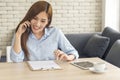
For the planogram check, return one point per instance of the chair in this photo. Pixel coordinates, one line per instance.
(114, 54)
(8, 54)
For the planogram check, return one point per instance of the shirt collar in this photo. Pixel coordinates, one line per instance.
(47, 33)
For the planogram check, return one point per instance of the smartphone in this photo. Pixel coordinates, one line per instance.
(28, 29)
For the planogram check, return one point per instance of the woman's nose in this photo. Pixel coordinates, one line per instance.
(38, 24)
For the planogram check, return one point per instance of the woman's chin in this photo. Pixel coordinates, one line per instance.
(36, 31)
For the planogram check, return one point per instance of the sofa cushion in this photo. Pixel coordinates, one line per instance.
(113, 35)
(79, 41)
(96, 46)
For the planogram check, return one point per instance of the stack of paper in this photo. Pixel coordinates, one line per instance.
(43, 65)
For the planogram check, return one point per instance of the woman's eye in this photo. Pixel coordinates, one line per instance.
(43, 21)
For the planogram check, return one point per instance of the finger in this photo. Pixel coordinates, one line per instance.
(57, 53)
(24, 26)
(58, 56)
(28, 23)
(62, 57)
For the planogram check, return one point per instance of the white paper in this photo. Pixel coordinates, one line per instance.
(43, 65)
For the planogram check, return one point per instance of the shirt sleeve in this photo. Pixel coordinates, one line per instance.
(66, 46)
(16, 57)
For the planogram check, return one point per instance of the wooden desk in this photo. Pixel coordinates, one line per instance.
(21, 71)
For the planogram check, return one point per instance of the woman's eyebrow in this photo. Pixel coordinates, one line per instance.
(44, 19)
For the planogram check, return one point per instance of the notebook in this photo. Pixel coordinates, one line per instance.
(83, 64)
(43, 65)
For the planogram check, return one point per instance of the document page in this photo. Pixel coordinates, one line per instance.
(43, 65)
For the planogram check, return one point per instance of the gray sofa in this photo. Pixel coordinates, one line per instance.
(109, 37)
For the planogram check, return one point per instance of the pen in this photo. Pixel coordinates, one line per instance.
(55, 52)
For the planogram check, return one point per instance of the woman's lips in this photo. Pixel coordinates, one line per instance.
(36, 28)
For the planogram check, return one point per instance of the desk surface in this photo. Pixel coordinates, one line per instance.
(21, 71)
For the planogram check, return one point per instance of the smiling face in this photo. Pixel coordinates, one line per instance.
(39, 22)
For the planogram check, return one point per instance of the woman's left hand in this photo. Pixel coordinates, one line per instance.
(60, 55)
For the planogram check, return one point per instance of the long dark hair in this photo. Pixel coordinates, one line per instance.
(35, 9)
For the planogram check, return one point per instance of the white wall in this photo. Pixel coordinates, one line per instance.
(111, 13)
(72, 16)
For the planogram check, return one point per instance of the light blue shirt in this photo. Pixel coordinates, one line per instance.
(43, 49)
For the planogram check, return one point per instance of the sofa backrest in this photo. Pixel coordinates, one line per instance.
(113, 35)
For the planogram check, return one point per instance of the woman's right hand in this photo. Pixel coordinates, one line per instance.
(22, 28)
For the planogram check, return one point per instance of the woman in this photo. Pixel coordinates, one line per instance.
(35, 40)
